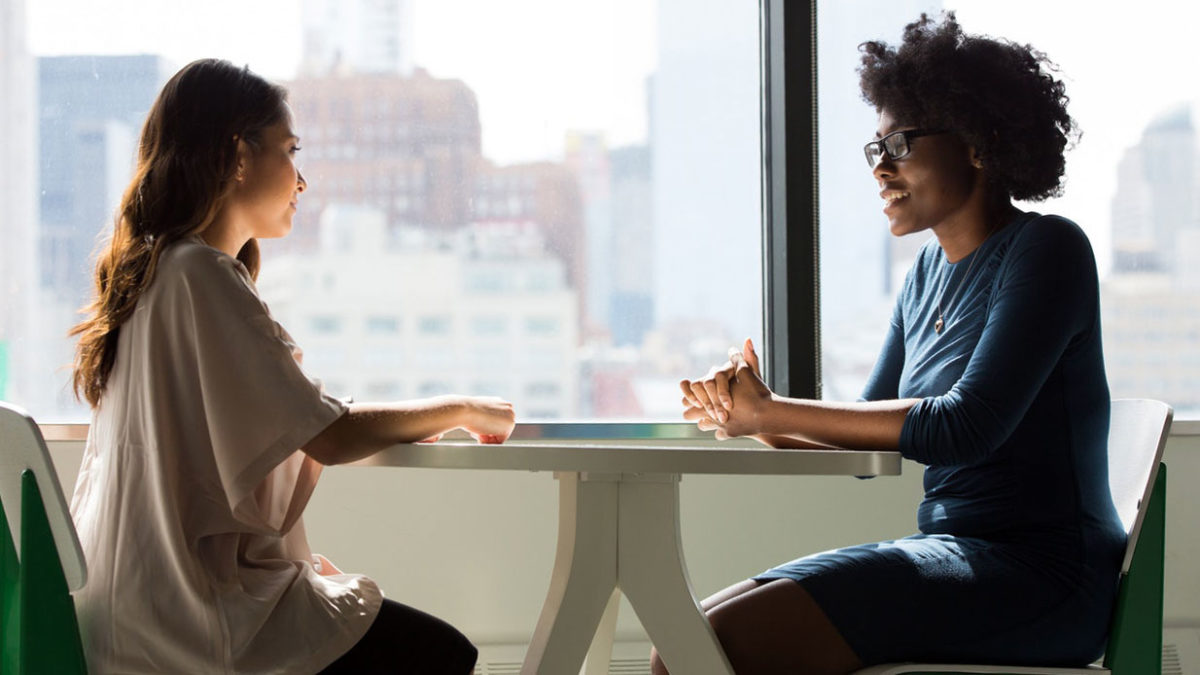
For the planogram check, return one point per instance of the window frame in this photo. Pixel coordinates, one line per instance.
(791, 207)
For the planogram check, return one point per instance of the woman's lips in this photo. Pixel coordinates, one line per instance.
(892, 198)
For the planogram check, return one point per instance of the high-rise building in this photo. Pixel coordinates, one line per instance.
(357, 36)
(545, 193)
(1152, 339)
(410, 147)
(587, 157)
(615, 186)
(1150, 298)
(631, 309)
(1156, 204)
(90, 109)
(707, 194)
(407, 146)
(386, 313)
(18, 206)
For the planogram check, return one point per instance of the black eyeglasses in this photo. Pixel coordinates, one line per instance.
(895, 145)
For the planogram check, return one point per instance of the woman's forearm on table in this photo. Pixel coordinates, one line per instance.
(870, 425)
(367, 428)
(788, 442)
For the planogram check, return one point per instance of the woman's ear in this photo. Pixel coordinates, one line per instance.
(243, 159)
(976, 159)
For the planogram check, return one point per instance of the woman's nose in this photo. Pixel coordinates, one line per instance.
(885, 169)
(301, 184)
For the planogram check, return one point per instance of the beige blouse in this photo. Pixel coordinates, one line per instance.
(189, 497)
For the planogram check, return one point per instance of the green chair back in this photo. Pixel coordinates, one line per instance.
(10, 573)
(40, 633)
(1135, 640)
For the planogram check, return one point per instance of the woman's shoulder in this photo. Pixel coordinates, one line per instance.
(1049, 230)
(190, 271)
(1049, 247)
(193, 254)
(191, 259)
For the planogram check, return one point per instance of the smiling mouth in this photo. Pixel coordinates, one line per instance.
(890, 198)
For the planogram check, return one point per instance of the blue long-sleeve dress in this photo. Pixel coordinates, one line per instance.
(1019, 547)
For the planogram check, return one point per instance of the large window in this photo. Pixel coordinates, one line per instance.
(554, 201)
(561, 202)
(1132, 182)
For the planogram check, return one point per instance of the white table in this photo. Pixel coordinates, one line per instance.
(618, 532)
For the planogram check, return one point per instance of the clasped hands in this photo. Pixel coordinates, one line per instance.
(731, 398)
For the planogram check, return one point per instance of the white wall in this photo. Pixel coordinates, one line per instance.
(476, 547)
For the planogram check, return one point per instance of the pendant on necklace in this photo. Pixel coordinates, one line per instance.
(937, 326)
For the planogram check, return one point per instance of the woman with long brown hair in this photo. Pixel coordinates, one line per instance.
(207, 439)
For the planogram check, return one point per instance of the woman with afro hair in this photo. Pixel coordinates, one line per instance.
(991, 375)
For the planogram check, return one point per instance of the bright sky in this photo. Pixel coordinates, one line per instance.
(508, 63)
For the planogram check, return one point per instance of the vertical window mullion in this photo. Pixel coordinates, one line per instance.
(791, 251)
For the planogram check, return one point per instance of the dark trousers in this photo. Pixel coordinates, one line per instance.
(407, 640)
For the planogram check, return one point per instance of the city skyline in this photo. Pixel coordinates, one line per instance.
(496, 193)
(693, 214)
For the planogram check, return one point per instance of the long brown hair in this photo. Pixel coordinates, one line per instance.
(186, 163)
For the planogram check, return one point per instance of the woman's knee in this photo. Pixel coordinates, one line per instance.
(779, 628)
(421, 642)
(735, 636)
(461, 655)
(447, 650)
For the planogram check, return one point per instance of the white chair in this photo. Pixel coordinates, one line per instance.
(1136, 438)
(40, 557)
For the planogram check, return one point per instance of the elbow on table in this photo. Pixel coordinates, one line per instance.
(335, 444)
(322, 450)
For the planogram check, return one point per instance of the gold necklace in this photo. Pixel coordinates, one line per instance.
(939, 324)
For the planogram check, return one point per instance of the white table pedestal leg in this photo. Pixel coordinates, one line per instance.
(600, 655)
(584, 577)
(652, 574)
